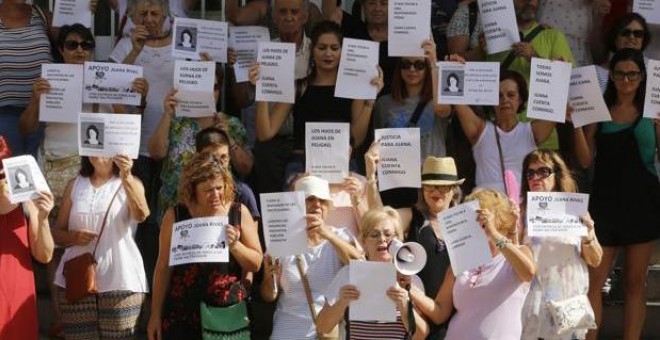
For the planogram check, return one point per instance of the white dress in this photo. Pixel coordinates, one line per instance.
(561, 274)
(120, 266)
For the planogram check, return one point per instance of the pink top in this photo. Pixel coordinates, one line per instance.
(488, 300)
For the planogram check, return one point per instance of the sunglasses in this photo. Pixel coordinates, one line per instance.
(631, 75)
(417, 65)
(73, 45)
(542, 173)
(635, 33)
(443, 189)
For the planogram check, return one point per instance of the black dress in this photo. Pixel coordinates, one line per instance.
(625, 202)
(190, 284)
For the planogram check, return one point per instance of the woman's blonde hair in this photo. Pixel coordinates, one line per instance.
(374, 217)
(204, 167)
(501, 207)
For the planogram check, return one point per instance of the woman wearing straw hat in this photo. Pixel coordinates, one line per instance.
(440, 190)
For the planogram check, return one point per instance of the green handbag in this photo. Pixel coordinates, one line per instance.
(225, 323)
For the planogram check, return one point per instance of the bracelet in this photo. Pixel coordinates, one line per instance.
(372, 180)
(589, 242)
(501, 243)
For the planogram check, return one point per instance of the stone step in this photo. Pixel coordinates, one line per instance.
(612, 325)
(652, 285)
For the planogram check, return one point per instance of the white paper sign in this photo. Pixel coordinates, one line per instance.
(556, 213)
(285, 228)
(194, 81)
(199, 240)
(109, 134)
(194, 36)
(110, 83)
(649, 9)
(276, 72)
(245, 41)
(472, 83)
(585, 98)
(652, 97)
(466, 241)
(548, 90)
(64, 101)
(327, 150)
(357, 67)
(372, 279)
(498, 19)
(409, 24)
(400, 158)
(69, 12)
(24, 179)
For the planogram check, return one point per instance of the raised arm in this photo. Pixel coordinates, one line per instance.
(542, 130)
(135, 198)
(269, 120)
(438, 310)
(584, 144)
(361, 111)
(159, 141)
(244, 243)
(440, 110)
(473, 125)
(39, 236)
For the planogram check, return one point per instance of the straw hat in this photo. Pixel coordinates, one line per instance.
(440, 171)
(314, 186)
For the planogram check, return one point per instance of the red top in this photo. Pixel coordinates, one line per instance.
(18, 302)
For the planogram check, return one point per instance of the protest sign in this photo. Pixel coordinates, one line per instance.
(24, 178)
(372, 279)
(108, 134)
(357, 67)
(110, 83)
(466, 241)
(652, 97)
(400, 158)
(327, 150)
(194, 82)
(409, 24)
(285, 227)
(556, 213)
(548, 90)
(498, 19)
(472, 83)
(585, 98)
(245, 41)
(194, 36)
(198, 240)
(69, 12)
(649, 9)
(64, 101)
(276, 72)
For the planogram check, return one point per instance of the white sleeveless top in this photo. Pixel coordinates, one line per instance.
(516, 144)
(120, 264)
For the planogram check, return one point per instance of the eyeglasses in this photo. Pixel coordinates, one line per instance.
(635, 33)
(73, 45)
(375, 234)
(542, 173)
(631, 75)
(417, 65)
(443, 189)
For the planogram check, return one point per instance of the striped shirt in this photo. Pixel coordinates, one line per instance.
(22, 51)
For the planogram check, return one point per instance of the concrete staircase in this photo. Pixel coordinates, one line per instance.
(612, 326)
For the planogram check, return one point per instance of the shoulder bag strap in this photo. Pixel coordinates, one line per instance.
(417, 114)
(528, 38)
(308, 290)
(499, 150)
(105, 220)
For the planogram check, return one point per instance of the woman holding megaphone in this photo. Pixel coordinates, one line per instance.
(379, 228)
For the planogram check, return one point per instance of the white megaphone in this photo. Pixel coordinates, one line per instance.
(409, 258)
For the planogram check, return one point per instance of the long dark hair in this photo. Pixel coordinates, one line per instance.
(399, 91)
(87, 169)
(636, 56)
(323, 27)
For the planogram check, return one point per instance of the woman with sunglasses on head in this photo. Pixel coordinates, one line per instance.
(626, 192)
(75, 44)
(501, 144)
(628, 31)
(561, 261)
